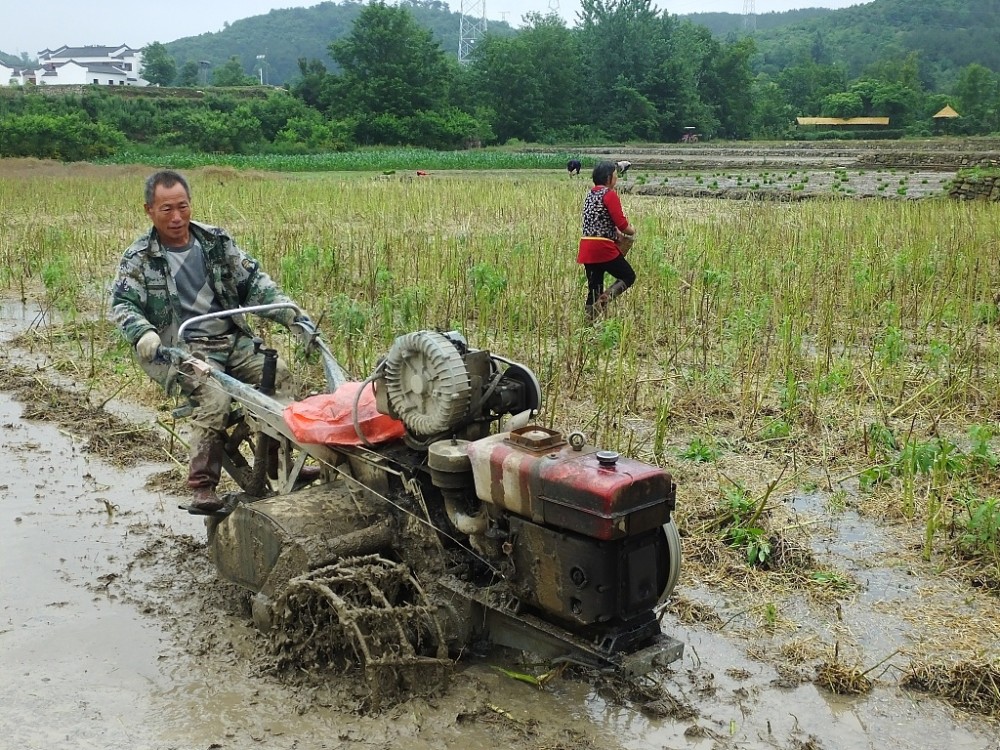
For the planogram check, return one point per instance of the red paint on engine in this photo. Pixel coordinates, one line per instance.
(570, 489)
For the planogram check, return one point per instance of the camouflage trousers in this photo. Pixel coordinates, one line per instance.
(232, 354)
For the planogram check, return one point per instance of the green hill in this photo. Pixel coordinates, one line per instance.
(285, 36)
(946, 35)
(723, 24)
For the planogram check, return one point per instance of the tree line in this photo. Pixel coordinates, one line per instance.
(625, 72)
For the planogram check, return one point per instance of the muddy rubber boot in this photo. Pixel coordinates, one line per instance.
(204, 473)
(615, 290)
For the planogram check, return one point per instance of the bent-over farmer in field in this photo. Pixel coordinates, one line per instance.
(607, 237)
(623, 166)
(178, 270)
(574, 166)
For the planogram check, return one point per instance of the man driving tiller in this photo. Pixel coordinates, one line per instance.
(181, 269)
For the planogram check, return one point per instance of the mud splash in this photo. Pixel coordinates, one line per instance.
(116, 633)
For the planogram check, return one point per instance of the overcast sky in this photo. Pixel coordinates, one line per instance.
(53, 23)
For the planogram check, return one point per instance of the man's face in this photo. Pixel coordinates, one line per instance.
(170, 213)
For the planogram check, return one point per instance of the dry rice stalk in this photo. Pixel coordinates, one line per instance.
(844, 680)
(800, 650)
(690, 612)
(841, 679)
(973, 686)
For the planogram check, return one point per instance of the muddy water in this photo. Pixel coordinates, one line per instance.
(76, 663)
(115, 633)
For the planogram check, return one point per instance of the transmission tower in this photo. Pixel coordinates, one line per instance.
(749, 15)
(471, 27)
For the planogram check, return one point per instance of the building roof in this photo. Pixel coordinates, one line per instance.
(94, 51)
(947, 111)
(105, 68)
(842, 120)
(52, 68)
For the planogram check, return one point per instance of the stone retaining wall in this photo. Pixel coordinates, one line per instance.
(975, 187)
(929, 159)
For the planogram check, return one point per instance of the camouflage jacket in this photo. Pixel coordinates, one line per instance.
(144, 296)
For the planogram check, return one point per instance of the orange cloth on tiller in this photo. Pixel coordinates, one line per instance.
(327, 418)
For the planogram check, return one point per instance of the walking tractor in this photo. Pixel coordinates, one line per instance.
(444, 518)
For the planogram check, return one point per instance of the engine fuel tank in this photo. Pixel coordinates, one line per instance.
(533, 472)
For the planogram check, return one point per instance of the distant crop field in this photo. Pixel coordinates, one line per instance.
(829, 343)
(360, 160)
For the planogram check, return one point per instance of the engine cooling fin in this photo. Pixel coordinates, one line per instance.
(427, 383)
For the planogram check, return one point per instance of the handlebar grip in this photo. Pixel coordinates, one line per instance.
(166, 355)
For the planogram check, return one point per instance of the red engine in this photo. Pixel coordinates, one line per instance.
(582, 533)
(579, 535)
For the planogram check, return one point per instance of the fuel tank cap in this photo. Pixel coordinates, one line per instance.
(607, 459)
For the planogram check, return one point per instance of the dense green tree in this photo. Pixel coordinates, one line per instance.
(390, 65)
(274, 112)
(555, 54)
(818, 52)
(69, 137)
(730, 88)
(890, 99)
(529, 83)
(504, 80)
(231, 74)
(312, 132)
(158, 67)
(907, 71)
(315, 86)
(842, 104)
(677, 82)
(213, 130)
(635, 116)
(977, 95)
(624, 45)
(806, 85)
(188, 74)
(772, 115)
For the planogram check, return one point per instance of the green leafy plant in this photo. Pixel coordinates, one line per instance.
(770, 614)
(980, 453)
(980, 530)
(776, 429)
(890, 346)
(701, 451)
(831, 579)
(488, 282)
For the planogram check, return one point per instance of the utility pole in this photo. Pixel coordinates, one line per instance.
(260, 63)
(471, 27)
(749, 16)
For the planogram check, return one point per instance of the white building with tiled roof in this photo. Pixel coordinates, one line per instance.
(100, 66)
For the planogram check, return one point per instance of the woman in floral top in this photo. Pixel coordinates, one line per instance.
(606, 238)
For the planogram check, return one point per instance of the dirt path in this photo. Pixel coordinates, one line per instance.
(115, 632)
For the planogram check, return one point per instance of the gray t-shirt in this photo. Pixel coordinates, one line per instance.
(187, 266)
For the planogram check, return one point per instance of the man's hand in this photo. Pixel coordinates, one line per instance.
(305, 329)
(147, 345)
